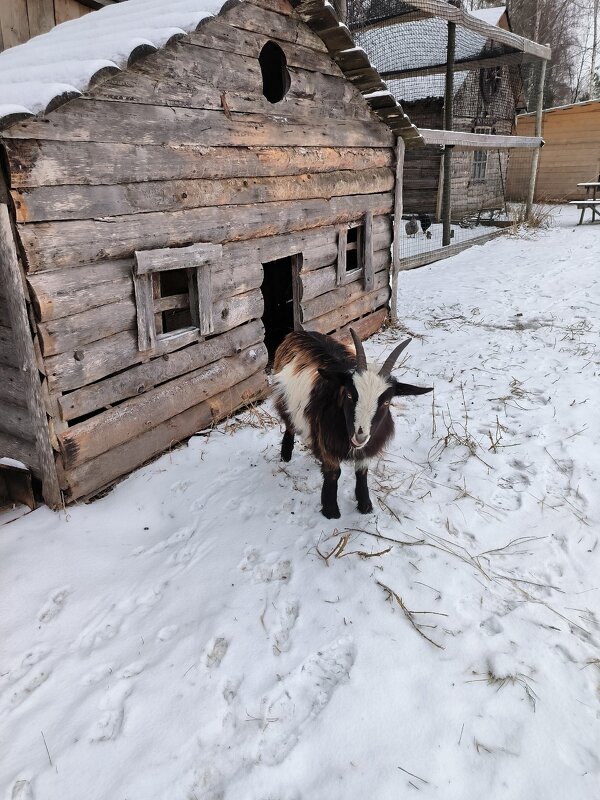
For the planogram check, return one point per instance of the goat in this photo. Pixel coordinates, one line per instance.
(338, 405)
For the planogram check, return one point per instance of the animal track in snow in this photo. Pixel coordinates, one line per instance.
(104, 627)
(26, 688)
(265, 569)
(53, 606)
(113, 707)
(22, 790)
(215, 652)
(166, 633)
(300, 697)
(97, 674)
(279, 629)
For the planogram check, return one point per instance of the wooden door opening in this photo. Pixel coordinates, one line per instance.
(280, 290)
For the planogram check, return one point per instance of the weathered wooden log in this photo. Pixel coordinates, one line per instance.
(82, 202)
(323, 280)
(122, 423)
(364, 327)
(279, 27)
(55, 163)
(142, 377)
(340, 317)
(12, 386)
(8, 352)
(90, 120)
(25, 357)
(340, 296)
(21, 450)
(15, 420)
(96, 360)
(52, 245)
(104, 470)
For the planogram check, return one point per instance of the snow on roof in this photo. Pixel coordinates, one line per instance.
(65, 60)
(490, 15)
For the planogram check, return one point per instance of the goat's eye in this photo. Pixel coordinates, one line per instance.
(386, 402)
(349, 395)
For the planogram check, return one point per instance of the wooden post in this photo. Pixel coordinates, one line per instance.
(398, 208)
(538, 132)
(13, 288)
(448, 125)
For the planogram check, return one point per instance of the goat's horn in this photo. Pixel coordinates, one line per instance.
(392, 358)
(361, 359)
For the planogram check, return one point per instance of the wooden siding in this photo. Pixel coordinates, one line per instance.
(20, 20)
(179, 149)
(571, 153)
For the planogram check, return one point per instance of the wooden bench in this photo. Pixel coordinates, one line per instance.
(593, 205)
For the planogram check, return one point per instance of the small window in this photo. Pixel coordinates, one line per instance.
(173, 293)
(355, 252)
(275, 74)
(480, 158)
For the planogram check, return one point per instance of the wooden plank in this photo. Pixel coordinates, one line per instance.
(117, 425)
(50, 163)
(68, 9)
(342, 243)
(339, 297)
(142, 377)
(364, 327)
(146, 328)
(82, 202)
(8, 349)
(168, 258)
(24, 451)
(205, 299)
(324, 280)
(41, 16)
(90, 120)
(115, 353)
(105, 469)
(480, 141)
(15, 421)
(340, 317)
(52, 245)
(367, 246)
(13, 287)
(14, 24)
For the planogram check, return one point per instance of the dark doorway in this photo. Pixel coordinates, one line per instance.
(280, 316)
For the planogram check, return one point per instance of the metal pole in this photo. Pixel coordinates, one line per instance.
(448, 125)
(538, 132)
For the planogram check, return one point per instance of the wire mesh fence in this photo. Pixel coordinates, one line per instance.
(411, 44)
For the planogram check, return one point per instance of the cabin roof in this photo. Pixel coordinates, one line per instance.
(51, 69)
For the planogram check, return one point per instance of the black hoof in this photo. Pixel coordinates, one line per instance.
(331, 513)
(365, 508)
(286, 455)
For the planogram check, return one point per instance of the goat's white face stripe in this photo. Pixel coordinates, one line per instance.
(370, 386)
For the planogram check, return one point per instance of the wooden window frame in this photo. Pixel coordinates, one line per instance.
(480, 158)
(364, 247)
(198, 260)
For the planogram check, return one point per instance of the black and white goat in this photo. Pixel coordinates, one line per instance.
(328, 395)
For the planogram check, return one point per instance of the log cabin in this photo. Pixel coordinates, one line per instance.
(180, 187)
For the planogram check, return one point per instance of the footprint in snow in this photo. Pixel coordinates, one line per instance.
(300, 697)
(25, 689)
(166, 633)
(113, 707)
(265, 569)
(215, 652)
(22, 790)
(53, 606)
(279, 623)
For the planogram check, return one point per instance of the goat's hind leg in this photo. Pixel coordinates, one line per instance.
(287, 445)
(365, 506)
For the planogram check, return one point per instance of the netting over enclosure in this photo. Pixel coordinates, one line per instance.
(459, 74)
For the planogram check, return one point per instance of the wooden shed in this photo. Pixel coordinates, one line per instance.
(571, 153)
(182, 185)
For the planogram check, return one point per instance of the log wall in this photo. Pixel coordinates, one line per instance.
(179, 149)
(20, 20)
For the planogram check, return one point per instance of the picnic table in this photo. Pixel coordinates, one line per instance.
(591, 188)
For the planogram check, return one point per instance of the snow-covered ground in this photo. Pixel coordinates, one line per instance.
(203, 632)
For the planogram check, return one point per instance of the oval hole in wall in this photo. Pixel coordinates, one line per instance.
(275, 75)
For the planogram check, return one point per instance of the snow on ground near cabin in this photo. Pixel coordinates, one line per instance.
(183, 638)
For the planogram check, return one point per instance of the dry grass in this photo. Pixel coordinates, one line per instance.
(501, 681)
(410, 615)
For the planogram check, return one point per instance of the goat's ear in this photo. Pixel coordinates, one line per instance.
(401, 389)
(337, 376)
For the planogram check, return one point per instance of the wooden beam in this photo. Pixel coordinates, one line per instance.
(398, 210)
(167, 258)
(422, 259)
(480, 141)
(13, 290)
(459, 66)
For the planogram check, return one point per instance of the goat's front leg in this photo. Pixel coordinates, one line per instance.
(365, 506)
(287, 445)
(329, 505)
